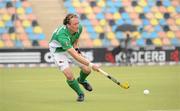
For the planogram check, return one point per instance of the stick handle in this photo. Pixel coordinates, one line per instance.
(109, 76)
(123, 85)
(103, 72)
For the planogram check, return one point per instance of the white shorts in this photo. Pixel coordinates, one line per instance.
(64, 59)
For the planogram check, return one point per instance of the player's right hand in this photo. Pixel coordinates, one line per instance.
(95, 67)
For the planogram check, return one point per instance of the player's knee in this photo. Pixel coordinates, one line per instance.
(69, 77)
(86, 70)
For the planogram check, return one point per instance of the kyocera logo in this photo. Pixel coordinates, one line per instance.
(143, 56)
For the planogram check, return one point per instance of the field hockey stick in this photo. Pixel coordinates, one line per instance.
(124, 85)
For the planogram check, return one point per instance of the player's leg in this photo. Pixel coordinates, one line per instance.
(73, 83)
(61, 61)
(84, 73)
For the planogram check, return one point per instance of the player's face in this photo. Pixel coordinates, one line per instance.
(73, 25)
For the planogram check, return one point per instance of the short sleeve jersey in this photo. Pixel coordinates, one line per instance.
(62, 39)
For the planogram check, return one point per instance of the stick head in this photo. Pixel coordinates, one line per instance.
(125, 85)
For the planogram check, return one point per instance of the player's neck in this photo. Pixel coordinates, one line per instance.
(71, 31)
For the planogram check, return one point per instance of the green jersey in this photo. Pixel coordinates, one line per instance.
(62, 39)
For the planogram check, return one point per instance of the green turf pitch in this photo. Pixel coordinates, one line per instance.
(45, 89)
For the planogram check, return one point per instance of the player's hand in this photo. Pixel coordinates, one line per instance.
(96, 67)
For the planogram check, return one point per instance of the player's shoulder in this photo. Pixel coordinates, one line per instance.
(80, 28)
(61, 31)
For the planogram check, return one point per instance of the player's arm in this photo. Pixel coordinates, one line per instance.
(76, 47)
(81, 59)
(75, 44)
